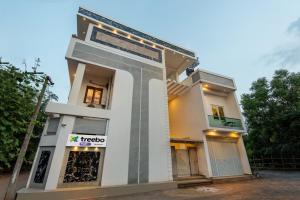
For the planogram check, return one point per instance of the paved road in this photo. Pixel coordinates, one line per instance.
(4, 179)
(273, 185)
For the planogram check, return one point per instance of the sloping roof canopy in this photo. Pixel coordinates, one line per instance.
(177, 59)
(175, 89)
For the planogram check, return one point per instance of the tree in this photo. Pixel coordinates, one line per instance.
(272, 112)
(18, 92)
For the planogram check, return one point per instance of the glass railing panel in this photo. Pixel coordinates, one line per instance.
(225, 122)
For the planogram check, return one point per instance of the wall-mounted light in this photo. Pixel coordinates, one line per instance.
(212, 133)
(84, 19)
(233, 135)
(99, 25)
(115, 31)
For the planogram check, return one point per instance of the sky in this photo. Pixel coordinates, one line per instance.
(245, 40)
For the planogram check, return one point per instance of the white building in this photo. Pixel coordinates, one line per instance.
(129, 124)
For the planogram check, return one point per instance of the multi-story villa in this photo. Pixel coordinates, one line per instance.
(129, 124)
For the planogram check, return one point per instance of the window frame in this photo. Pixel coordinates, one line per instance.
(218, 111)
(93, 97)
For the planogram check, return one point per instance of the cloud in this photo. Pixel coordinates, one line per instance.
(294, 27)
(287, 55)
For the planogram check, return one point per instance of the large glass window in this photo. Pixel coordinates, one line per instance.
(93, 95)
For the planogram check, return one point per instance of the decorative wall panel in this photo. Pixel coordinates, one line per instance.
(42, 167)
(82, 166)
(119, 42)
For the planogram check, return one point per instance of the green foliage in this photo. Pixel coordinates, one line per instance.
(18, 97)
(272, 111)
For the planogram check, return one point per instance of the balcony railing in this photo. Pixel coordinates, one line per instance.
(225, 122)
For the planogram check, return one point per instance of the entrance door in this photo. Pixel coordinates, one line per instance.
(224, 158)
(194, 168)
(184, 162)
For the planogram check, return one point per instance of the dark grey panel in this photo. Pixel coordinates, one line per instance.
(90, 126)
(53, 125)
(133, 169)
(139, 137)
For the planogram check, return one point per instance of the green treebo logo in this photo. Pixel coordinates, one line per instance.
(74, 139)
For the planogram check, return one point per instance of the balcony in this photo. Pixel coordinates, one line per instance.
(225, 122)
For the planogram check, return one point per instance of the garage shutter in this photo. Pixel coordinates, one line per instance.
(224, 158)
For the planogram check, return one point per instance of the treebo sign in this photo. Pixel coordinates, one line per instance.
(79, 140)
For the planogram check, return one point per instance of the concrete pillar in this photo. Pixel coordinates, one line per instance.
(75, 89)
(64, 129)
(207, 156)
(243, 155)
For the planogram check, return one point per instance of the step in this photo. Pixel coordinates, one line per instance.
(227, 179)
(193, 182)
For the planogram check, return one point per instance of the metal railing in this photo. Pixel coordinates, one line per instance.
(225, 122)
(271, 162)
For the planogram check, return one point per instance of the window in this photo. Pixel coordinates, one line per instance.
(93, 95)
(218, 112)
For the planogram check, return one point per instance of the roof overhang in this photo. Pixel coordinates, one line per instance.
(177, 58)
(175, 89)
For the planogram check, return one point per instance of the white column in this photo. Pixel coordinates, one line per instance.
(65, 127)
(243, 155)
(207, 156)
(75, 89)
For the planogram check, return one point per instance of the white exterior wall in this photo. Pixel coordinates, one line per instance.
(56, 164)
(115, 167)
(75, 88)
(229, 104)
(159, 140)
(243, 155)
(202, 160)
(186, 115)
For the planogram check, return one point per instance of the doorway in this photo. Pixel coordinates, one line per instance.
(185, 162)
